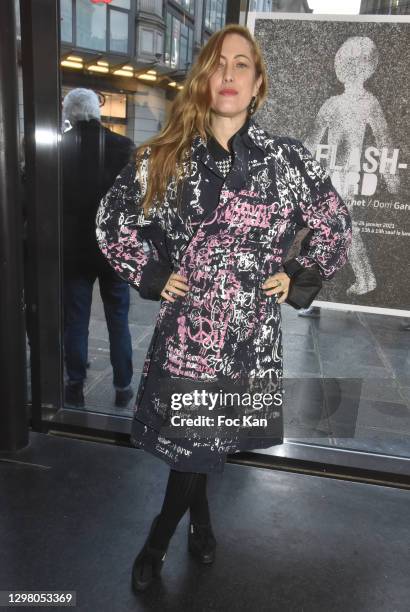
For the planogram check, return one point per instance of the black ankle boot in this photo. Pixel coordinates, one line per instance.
(201, 542)
(148, 563)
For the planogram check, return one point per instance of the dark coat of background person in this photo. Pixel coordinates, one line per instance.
(92, 157)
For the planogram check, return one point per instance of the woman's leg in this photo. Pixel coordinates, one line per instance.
(184, 490)
(179, 493)
(199, 508)
(201, 539)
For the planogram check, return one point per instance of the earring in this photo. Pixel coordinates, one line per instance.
(252, 105)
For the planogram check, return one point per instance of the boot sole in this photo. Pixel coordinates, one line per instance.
(138, 586)
(197, 555)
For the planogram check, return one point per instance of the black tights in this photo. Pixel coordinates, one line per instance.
(184, 490)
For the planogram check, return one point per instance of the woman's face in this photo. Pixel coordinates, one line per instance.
(236, 75)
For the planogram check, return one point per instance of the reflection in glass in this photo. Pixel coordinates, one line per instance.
(176, 31)
(188, 5)
(91, 25)
(178, 43)
(118, 31)
(66, 16)
(115, 105)
(215, 14)
(260, 5)
(184, 44)
(359, 399)
(92, 156)
(167, 54)
(125, 4)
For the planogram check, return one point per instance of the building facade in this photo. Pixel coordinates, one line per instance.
(385, 7)
(283, 6)
(135, 54)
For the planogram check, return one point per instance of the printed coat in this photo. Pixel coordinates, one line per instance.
(230, 235)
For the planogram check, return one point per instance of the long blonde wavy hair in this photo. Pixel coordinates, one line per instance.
(190, 114)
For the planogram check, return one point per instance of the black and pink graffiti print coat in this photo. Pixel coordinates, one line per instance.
(231, 233)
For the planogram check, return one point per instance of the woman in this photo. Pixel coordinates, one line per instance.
(218, 200)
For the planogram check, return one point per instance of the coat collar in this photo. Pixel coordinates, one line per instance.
(217, 151)
(252, 136)
(245, 144)
(255, 136)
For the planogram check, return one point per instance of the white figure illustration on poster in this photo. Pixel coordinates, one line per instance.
(346, 117)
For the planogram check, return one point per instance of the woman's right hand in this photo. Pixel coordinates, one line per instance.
(175, 286)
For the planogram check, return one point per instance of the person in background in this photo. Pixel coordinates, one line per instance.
(92, 157)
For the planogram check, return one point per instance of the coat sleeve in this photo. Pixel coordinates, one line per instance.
(320, 208)
(120, 226)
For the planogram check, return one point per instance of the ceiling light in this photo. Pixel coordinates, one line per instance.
(95, 68)
(122, 72)
(147, 77)
(69, 64)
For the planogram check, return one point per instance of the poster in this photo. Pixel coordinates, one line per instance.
(340, 84)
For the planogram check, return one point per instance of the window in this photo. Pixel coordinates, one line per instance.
(100, 27)
(215, 14)
(178, 42)
(147, 41)
(176, 29)
(183, 44)
(261, 5)
(66, 17)
(125, 4)
(150, 41)
(114, 105)
(118, 31)
(167, 55)
(159, 44)
(188, 5)
(190, 44)
(91, 25)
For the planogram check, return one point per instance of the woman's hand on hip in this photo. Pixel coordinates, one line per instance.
(278, 283)
(175, 286)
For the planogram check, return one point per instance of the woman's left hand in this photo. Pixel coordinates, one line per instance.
(278, 283)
